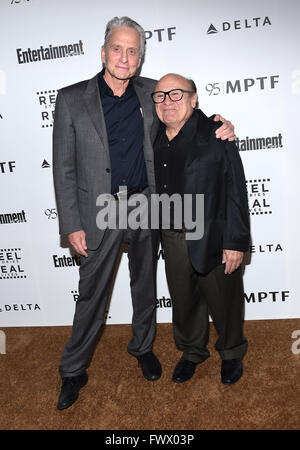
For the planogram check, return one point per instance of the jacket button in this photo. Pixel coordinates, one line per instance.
(108, 170)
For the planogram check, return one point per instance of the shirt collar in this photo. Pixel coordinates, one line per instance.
(106, 90)
(198, 121)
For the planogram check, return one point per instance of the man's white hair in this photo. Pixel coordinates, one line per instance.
(125, 21)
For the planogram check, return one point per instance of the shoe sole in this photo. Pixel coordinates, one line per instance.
(182, 381)
(148, 378)
(151, 379)
(234, 380)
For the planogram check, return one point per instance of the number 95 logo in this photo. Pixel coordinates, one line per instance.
(213, 88)
(51, 213)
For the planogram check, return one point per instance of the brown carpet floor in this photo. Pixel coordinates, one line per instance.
(117, 397)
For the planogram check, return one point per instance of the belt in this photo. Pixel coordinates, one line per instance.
(177, 230)
(127, 193)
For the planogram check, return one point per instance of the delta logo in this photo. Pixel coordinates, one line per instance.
(240, 24)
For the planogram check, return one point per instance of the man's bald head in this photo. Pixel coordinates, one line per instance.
(175, 77)
(175, 97)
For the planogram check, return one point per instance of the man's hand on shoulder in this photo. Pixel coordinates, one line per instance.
(226, 131)
(77, 240)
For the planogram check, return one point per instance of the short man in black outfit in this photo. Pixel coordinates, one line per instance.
(203, 274)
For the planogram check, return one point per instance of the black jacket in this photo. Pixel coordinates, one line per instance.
(214, 168)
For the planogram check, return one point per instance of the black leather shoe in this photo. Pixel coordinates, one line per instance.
(150, 365)
(70, 390)
(183, 371)
(231, 370)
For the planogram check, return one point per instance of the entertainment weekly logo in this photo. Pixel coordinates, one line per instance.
(18, 2)
(66, 261)
(240, 24)
(261, 143)
(49, 53)
(13, 217)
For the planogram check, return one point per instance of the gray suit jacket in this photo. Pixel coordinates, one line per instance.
(81, 160)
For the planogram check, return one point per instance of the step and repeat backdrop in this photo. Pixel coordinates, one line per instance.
(244, 59)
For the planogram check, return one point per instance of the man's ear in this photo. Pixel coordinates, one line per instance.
(194, 100)
(103, 55)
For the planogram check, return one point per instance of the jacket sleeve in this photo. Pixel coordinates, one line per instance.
(237, 229)
(64, 168)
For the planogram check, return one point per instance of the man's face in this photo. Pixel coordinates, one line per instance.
(172, 113)
(121, 56)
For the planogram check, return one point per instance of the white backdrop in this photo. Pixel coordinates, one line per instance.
(244, 58)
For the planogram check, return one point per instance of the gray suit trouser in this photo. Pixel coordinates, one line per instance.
(194, 296)
(95, 282)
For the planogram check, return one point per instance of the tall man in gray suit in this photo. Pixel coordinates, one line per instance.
(102, 139)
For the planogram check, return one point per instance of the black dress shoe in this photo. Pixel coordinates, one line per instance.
(150, 365)
(231, 370)
(183, 371)
(70, 390)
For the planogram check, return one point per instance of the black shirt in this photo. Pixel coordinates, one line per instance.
(169, 160)
(125, 132)
(170, 157)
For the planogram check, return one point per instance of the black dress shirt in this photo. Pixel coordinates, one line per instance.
(125, 132)
(170, 159)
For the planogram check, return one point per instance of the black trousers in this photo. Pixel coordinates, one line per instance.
(96, 275)
(194, 296)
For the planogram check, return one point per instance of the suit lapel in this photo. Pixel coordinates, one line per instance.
(92, 101)
(150, 119)
(145, 102)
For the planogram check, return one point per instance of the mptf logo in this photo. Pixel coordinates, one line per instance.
(242, 86)
(162, 34)
(7, 166)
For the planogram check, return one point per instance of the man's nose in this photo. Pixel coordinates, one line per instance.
(124, 56)
(167, 100)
